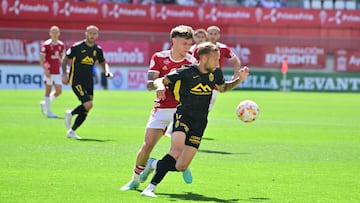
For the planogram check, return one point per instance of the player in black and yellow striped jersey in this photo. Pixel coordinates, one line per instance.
(83, 54)
(192, 86)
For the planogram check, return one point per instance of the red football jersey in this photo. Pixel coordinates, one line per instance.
(53, 53)
(162, 63)
(225, 52)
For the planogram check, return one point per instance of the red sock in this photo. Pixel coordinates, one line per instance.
(138, 169)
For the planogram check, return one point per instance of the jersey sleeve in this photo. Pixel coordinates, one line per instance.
(219, 77)
(100, 55)
(154, 65)
(43, 49)
(229, 53)
(70, 52)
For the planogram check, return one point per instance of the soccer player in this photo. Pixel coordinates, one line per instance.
(225, 52)
(162, 63)
(200, 35)
(83, 55)
(192, 86)
(51, 53)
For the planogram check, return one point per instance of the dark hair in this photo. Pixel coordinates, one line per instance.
(182, 31)
(206, 48)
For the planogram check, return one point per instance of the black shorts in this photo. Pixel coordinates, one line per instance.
(84, 93)
(192, 126)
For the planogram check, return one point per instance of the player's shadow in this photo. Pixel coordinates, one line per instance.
(219, 152)
(201, 198)
(94, 140)
(57, 117)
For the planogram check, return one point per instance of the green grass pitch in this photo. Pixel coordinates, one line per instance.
(304, 147)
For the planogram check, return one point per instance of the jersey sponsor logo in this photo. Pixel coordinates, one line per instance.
(83, 51)
(167, 61)
(196, 76)
(87, 60)
(94, 53)
(201, 89)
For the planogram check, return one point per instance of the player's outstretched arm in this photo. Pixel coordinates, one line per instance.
(229, 85)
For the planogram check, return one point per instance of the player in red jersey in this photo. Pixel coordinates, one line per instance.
(161, 116)
(225, 53)
(51, 53)
(200, 35)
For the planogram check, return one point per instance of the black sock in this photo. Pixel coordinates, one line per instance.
(167, 163)
(79, 120)
(78, 110)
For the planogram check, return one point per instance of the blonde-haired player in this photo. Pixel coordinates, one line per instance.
(51, 53)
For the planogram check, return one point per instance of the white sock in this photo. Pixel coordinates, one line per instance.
(154, 163)
(136, 178)
(47, 104)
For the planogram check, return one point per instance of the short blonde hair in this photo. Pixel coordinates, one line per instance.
(92, 27)
(54, 27)
(205, 48)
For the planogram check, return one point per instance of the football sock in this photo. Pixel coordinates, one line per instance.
(79, 120)
(47, 104)
(138, 169)
(78, 110)
(167, 163)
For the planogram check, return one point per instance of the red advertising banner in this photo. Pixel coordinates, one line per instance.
(138, 53)
(273, 56)
(305, 57)
(347, 60)
(68, 11)
(15, 50)
(116, 52)
(130, 53)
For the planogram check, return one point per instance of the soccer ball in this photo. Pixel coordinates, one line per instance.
(247, 111)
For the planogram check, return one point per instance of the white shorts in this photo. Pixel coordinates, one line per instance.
(54, 79)
(160, 118)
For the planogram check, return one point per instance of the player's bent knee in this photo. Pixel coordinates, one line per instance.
(88, 105)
